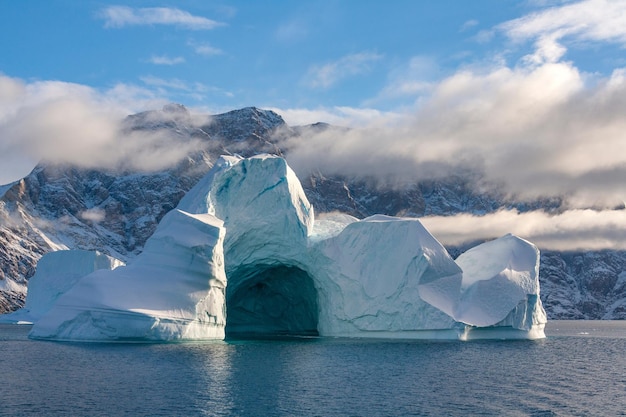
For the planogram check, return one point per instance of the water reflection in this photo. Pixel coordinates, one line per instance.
(215, 365)
(264, 379)
(561, 375)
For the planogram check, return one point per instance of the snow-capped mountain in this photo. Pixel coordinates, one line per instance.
(57, 207)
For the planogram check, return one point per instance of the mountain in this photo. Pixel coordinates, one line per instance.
(59, 206)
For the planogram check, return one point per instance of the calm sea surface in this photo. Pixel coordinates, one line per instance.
(579, 370)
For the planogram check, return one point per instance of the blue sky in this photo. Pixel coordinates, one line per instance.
(531, 93)
(286, 54)
(227, 55)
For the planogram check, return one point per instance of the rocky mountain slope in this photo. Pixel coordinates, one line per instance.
(57, 207)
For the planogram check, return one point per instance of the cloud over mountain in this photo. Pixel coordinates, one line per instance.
(568, 231)
(70, 123)
(537, 130)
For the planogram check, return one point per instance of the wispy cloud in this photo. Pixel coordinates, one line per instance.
(166, 60)
(568, 231)
(468, 25)
(121, 16)
(537, 128)
(172, 83)
(169, 87)
(417, 77)
(204, 48)
(583, 21)
(94, 214)
(326, 75)
(291, 31)
(341, 116)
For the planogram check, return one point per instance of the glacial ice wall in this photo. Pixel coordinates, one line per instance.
(249, 220)
(377, 275)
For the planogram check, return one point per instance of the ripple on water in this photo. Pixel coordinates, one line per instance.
(567, 374)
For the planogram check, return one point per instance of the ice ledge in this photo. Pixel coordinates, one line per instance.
(463, 333)
(91, 324)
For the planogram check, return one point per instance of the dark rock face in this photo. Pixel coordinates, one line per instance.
(247, 131)
(57, 207)
(589, 285)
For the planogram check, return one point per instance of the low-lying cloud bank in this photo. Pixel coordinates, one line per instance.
(69, 123)
(544, 130)
(571, 230)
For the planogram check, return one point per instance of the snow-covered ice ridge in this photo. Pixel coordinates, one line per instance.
(249, 220)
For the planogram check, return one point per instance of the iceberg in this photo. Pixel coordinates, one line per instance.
(379, 277)
(248, 223)
(56, 273)
(500, 286)
(173, 291)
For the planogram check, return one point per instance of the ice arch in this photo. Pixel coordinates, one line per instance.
(268, 220)
(271, 300)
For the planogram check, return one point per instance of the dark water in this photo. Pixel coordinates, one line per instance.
(579, 370)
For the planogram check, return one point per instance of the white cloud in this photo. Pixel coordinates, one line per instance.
(166, 60)
(324, 76)
(415, 78)
(467, 25)
(595, 20)
(583, 21)
(204, 48)
(70, 123)
(567, 231)
(536, 131)
(94, 214)
(172, 83)
(121, 16)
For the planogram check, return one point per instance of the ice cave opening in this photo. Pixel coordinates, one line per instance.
(271, 300)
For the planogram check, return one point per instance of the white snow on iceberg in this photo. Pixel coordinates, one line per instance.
(56, 273)
(173, 291)
(250, 221)
(501, 285)
(373, 276)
